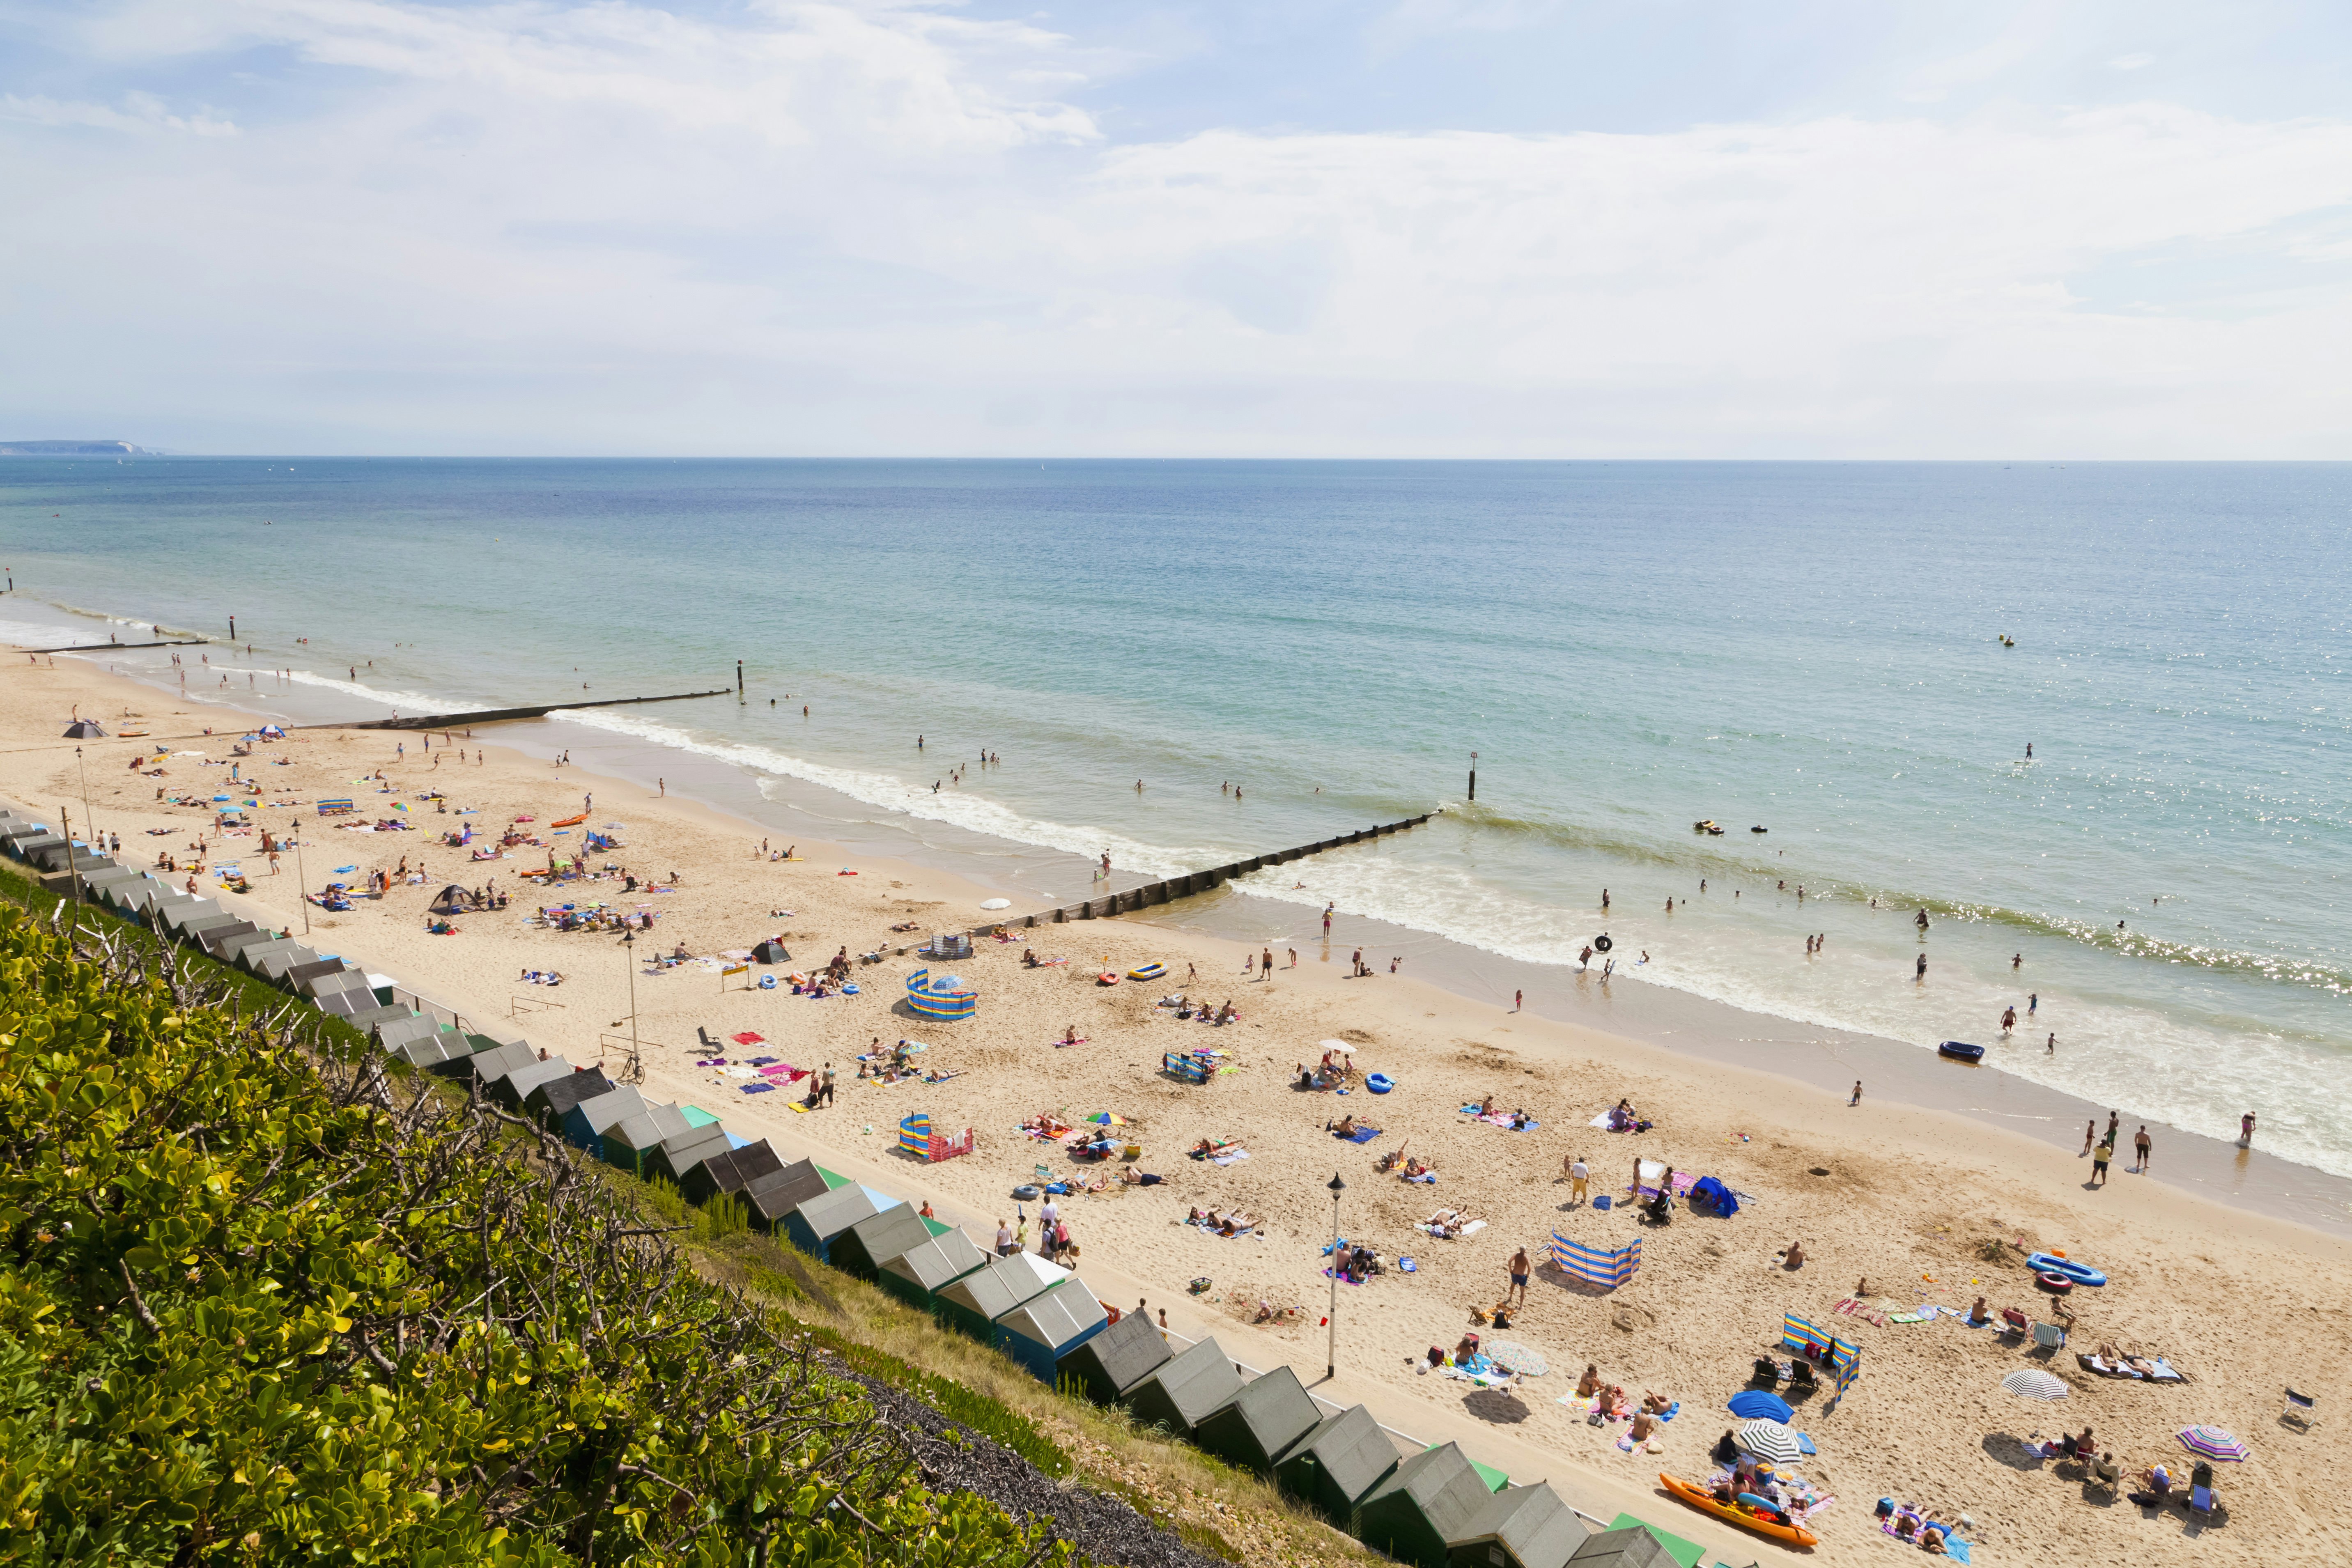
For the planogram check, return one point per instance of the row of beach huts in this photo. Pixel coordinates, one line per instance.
(1433, 1506)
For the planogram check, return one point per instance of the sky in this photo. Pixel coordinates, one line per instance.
(1505, 229)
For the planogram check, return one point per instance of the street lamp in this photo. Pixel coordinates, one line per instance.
(1331, 1353)
(636, 1071)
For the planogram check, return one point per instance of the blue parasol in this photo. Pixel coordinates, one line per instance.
(1756, 1404)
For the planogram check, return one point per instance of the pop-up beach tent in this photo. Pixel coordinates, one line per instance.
(1186, 1389)
(1426, 1502)
(1117, 1359)
(1049, 1325)
(454, 900)
(628, 1141)
(1332, 1467)
(732, 1171)
(865, 1246)
(1271, 1413)
(1520, 1527)
(775, 1195)
(915, 1276)
(814, 1225)
(974, 1302)
(584, 1123)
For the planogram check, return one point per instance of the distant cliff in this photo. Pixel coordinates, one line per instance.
(70, 449)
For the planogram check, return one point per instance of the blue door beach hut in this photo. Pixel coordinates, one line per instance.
(1049, 1325)
(814, 1225)
(1186, 1389)
(917, 1277)
(1271, 1413)
(1426, 1502)
(1520, 1527)
(1117, 1359)
(865, 1246)
(974, 1302)
(1331, 1467)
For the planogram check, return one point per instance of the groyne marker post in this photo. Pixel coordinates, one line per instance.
(1474, 775)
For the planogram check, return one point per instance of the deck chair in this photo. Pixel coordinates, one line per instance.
(1043, 1173)
(1801, 1377)
(2012, 1321)
(1767, 1373)
(2300, 1408)
(2200, 1503)
(2107, 1476)
(708, 1043)
(2049, 1334)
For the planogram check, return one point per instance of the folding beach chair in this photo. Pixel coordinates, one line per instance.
(2300, 1408)
(2108, 1476)
(2200, 1503)
(2049, 1334)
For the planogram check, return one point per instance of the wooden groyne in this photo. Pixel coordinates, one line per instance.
(117, 646)
(497, 715)
(1185, 887)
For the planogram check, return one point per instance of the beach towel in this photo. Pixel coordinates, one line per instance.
(1362, 1135)
(1228, 1159)
(1343, 1279)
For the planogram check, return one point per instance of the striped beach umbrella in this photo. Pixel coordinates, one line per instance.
(2214, 1443)
(1770, 1440)
(2032, 1383)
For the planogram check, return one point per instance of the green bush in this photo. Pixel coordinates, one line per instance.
(259, 1300)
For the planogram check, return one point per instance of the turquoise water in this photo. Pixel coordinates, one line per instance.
(1809, 647)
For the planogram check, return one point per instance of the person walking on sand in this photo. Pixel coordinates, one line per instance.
(2142, 1146)
(1520, 1268)
(1579, 1175)
(2090, 1135)
(1326, 920)
(1265, 965)
(1519, 1000)
(2099, 1158)
(2246, 1131)
(1857, 1093)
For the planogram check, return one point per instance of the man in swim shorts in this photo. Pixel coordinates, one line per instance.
(1519, 1269)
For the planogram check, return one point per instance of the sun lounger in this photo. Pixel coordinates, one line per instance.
(2049, 1334)
(2200, 1502)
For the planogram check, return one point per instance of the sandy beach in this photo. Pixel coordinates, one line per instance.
(1928, 1207)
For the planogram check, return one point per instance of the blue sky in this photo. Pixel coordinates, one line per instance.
(1443, 227)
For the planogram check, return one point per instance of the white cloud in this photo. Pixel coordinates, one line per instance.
(2131, 62)
(141, 113)
(871, 228)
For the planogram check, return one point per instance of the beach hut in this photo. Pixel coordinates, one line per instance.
(1426, 1502)
(301, 973)
(1520, 1527)
(627, 1142)
(1272, 1413)
(865, 1246)
(584, 1124)
(390, 1034)
(974, 1302)
(482, 1066)
(549, 1103)
(1332, 1467)
(432, 1051)
(1115, 1360)
(273, 966)
(1186, 1389)
(348, 983)
(1634, 1546)
(916, 1277)
(509, 1089)
(775, 1195)
(1049, 1325)
(942, 1001)
(676, 1158)
(215, 938)
(814, 1225)
(731, 1172)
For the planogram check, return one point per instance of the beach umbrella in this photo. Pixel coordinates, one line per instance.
(1756, 1404)
(2032, 1383)
(1512, 1356)
(1107, 1118)
(1770, 1440)
(2214, 1443)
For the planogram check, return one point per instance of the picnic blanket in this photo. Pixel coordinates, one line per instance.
(1360, 1135)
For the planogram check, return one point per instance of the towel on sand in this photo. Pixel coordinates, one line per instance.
(1361, 1134)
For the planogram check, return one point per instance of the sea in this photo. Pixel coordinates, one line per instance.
(2092, 719)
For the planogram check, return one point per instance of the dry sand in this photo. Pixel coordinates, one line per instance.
(1924, 1205)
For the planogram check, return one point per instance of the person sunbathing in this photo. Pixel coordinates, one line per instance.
(1225, 1015)
(2114, 1357)
(1590, 1383)
(1644, 1423)
(1415, 1168)
(1390, 1161)
(1135, 1178)
(1654, 1403)
(1343, 1128)
(1234, 1224)
(1070, 1036)
(1979, 1314)
(1467, 1349)
(1486, 1106)
(1615, 1404)
(1796, 1258)
(1203, 1216)
(938, 1075)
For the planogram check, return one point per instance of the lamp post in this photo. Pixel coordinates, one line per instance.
(636, 1071)
(87, 825)
(1331, 1352)
(303, 877)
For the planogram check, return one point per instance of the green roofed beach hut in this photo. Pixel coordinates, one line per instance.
(1520, 1527)
(1049, 1325)
(1426, 1502)
(1271, 1413)
(814, 1225)
(1115, 1360)
(1334, 1466)
(974, 1302)
(1674, 1548)
(916, 1276)
(775, 1195)
(865, 1246)
(1186, 1389)
(629, 1141)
